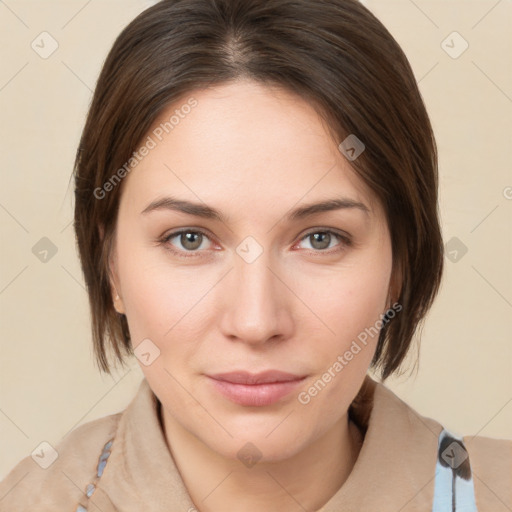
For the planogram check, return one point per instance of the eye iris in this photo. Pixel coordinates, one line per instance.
(187, 240)
(323, 238)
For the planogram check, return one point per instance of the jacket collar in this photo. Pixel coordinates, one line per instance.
(394, 471)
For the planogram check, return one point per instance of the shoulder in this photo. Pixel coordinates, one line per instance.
(428, 452)
(55, 477)
(491, 465)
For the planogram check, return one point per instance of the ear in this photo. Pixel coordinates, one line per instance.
(115, 287)
(395, 285)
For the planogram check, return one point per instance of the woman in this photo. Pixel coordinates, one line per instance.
(256, 217)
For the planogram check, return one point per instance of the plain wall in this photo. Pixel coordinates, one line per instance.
(48, 382)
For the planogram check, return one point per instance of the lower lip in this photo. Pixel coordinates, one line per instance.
(255, 395)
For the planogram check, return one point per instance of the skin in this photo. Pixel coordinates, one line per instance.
(253, 153)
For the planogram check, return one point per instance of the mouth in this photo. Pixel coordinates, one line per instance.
(255, 389)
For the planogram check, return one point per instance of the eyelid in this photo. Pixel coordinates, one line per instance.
(344, 237)
(165, 240)
(333, 231)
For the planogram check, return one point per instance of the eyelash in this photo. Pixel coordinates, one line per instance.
(345, 239)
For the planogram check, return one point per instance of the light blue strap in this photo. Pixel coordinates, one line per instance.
(453, 488)
(102, 462)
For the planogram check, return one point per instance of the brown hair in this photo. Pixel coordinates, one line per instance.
(333, 53)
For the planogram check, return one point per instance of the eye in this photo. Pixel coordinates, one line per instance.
(190, 240)
(322, 240)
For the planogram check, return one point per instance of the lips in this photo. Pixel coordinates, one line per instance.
(266, 377)
(255, 389)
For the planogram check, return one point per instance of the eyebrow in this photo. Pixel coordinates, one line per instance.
(206, 212)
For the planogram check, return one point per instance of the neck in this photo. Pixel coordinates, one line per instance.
(216, 483)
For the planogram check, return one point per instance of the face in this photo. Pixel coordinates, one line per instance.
(235, 274)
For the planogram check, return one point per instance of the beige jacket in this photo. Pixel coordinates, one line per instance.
(398, 468)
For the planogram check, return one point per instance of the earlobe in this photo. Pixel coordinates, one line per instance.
(114, 280)
(117, 300)
(118, 304)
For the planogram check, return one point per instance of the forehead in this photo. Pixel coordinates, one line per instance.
(246, 140)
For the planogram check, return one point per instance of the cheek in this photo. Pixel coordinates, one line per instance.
(353, 311)
(151, 297)
(155, 304)
(352, 297)
(352, 305)
(163, 302)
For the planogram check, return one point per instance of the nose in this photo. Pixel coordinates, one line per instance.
(256, 304)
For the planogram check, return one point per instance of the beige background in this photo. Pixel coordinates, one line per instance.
(48, 383)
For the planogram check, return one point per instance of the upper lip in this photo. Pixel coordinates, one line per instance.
(265, 377)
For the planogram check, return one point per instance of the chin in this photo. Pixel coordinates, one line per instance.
(261, 444)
